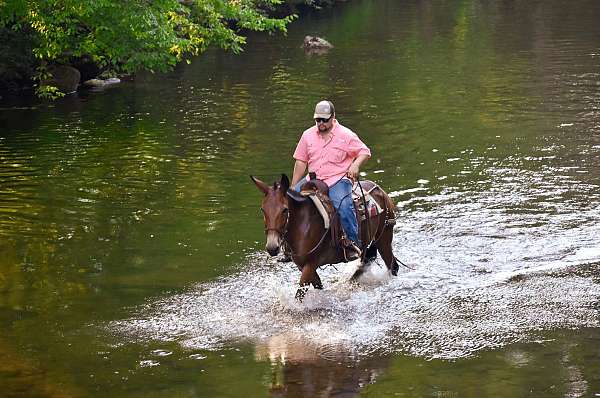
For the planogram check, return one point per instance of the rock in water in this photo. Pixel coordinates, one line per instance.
(94, 83)
(101, 82)
(64, 77)
(314, 44)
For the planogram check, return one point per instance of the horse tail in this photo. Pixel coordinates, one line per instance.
(390, 209)
(401, 263)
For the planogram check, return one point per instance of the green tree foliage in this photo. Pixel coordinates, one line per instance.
(130, 35)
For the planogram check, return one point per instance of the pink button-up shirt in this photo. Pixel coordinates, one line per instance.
(330, 158)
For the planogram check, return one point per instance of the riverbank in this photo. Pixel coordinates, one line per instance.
(22, 72)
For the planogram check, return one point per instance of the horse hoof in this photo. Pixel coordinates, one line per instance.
(394, 269)
(358, 273)
(301, 293)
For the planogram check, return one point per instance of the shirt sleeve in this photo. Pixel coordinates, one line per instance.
(357, 147)
(301, 152)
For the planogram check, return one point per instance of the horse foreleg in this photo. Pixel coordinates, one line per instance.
(309, 277)
(316, 282)
(384, 246)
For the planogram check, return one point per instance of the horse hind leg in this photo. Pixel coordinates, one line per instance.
(384, 246)
(370, 254)
(358, 273)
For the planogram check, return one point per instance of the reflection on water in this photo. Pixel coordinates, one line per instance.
(300, 369)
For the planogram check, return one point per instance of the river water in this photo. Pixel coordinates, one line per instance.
(131, 250)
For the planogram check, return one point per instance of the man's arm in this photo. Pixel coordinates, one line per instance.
(355, 166)
(299, 171)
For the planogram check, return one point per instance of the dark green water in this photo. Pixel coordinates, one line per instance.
(131, 241)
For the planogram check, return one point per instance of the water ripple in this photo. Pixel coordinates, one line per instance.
(491, 268)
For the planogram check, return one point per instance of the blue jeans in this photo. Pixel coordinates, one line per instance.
(340, 194)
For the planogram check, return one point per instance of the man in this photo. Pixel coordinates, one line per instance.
(334, 153)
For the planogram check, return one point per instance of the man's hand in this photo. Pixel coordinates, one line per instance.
(352, 172)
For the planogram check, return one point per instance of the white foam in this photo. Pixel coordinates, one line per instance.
(484, 275)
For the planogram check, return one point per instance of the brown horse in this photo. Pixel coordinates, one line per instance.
(292, 219)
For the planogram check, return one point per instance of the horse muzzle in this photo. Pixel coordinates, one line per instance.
(273, 243)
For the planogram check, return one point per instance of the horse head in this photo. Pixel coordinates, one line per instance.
(276, 212)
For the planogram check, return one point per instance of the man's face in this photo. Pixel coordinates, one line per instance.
(324, 125)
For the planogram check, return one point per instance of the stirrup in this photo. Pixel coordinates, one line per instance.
(350, 250)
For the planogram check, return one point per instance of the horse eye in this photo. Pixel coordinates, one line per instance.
(285, 210)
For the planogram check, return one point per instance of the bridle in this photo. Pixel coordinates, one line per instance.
(282, 231)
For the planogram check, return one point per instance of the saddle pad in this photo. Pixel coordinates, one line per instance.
(372, 206)
(320, 207)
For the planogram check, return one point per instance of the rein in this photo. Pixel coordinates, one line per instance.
(283, 233)
(312, 250)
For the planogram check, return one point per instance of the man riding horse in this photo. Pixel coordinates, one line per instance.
(307, 224)
(334, 153)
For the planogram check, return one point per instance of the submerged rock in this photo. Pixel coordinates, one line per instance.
(101, 82)
(94, 83)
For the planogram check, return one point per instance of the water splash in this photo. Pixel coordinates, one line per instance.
(490, 268)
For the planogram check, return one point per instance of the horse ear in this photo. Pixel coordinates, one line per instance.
(264, 188)
(285, 182)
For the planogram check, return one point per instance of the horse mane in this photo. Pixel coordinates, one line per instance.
(296, 196)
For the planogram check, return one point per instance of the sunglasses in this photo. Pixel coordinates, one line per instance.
(322, 120)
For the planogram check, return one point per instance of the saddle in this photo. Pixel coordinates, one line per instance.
(318, 192)
(365, 206)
